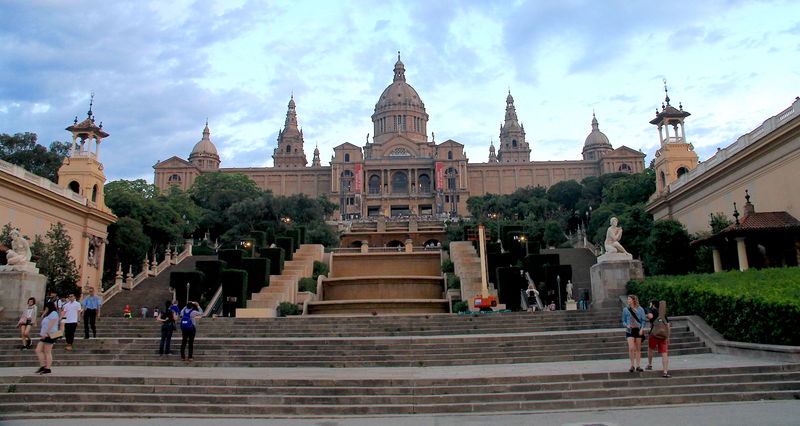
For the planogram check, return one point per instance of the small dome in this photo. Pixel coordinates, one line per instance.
(596, 137)
(205, 146)
(399, 94)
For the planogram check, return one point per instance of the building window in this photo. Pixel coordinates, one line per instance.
(682, 171)
(75, 187)
(624, 168)
(347, 158)
(94, 194)
(514, 143)
(174, 180)
(449, 155)
(288, 149)
(374, 184)
(400, 183)
(452, 176)
(424, 183)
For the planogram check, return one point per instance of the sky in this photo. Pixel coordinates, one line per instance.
(159, 69)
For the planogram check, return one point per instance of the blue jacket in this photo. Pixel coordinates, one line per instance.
(641, 318)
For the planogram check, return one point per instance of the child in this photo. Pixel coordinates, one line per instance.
(155, 313)
(126, 313)
(144, 311)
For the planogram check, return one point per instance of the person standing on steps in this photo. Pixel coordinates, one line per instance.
(44, 350)
(189, 315)
(633, 319)
(654, 342)
(167, 320)
(26, 322)
(72, 311)
(91, 312)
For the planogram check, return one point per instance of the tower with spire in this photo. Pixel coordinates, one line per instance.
(596, 144)
(513, 148)
(289, 152)
(492, 155)
(204, 154)
(315, 162)
(82, 171)
(676, 156)
(399, 111)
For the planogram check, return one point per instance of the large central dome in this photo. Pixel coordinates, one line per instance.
(400, 110)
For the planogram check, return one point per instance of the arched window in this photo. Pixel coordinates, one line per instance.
(75, 187)
(374, 184)
(94, 194)
(449, 155)
(682, 171)
(347, 158)
(424, 183)
(399, 182)
(663, 179)
(174, 179)
(452, 177)
(288, 148)
(624, 168)
(514, 143)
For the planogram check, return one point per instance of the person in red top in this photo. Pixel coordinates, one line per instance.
(126, 313)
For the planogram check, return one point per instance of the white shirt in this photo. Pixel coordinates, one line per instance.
(71, 310)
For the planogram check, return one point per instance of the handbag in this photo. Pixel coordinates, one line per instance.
(636, 319)
(56, 334)
(660, 329)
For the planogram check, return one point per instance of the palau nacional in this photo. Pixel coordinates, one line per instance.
(402, 171)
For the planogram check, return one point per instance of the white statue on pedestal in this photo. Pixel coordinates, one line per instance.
(569, 290)
(613, 235)
(18, 258)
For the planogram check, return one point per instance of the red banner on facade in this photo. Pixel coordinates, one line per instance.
(359, 179)
(439, 175)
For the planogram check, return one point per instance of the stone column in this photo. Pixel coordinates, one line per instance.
(741, 250)
(409, 245)
(717, 259)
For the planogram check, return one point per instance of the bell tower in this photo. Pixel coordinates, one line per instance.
(82, 171)
(675, 157)
(513, 148)
(289, 152)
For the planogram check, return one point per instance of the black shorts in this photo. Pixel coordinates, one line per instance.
(633, 332)
(47, 340)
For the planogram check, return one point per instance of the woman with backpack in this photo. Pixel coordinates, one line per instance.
(189, 316)
(633, 318)
(167, 320)
(659, 335)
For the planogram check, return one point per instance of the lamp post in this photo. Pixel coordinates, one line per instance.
(187, 292)
(496, 217)
(524, 241)
(558, 285)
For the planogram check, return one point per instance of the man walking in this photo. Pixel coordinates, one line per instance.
(91, 311)
(71, 311)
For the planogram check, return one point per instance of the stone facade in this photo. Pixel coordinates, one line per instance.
(765, 162)
(32, 203)
(401, 171)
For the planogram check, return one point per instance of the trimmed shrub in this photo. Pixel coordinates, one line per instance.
(232, 257)
(259, 237)
(234, 284)
(320, 268)
(285, 309)
(196, 280)
(753, 306)
(308, 284)
(460, 306)
(453, 282)
(448, 266)
(212, 270)
(202, 250)
(257, 274)
(294, 234)
(303, 231)
(275, 256)
(287, 244)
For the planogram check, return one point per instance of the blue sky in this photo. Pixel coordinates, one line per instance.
(159, 69)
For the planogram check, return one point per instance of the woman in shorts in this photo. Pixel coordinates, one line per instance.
(633, 319)
(28, 320)
(44, 350)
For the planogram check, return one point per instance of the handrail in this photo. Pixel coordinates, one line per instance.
(214, 304)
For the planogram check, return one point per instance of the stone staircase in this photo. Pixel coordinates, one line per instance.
(152, 292)
(35, 396)
(467, 265)
(283, 288)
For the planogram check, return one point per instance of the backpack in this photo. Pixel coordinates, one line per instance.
(660, 328)
(186, 321)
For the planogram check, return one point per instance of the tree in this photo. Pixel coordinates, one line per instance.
(668, 251)
(631, 189)
(566, 193)
(719, 221)
(127, 245)
(553, 233)
(56, 263)
(23, 150)
(215, 192)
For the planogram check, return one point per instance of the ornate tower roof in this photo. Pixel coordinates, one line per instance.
(289, 152)
(513, 148)
(596, 144)
(492, 155)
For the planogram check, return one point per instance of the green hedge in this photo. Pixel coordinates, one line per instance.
(307, 284)
(295, 235)
(276, 257)
(211, 269)
(203, 251)
(233, 257)
(287, 244)
(234, 284)
(178, 280)
(260, 238)
(257, 274)
(757, 306)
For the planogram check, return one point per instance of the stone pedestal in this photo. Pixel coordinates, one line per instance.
(17, 287)
(610, 277)
(572, 305)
